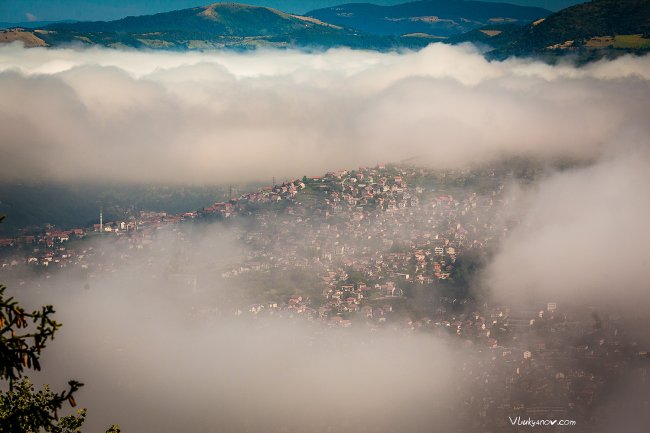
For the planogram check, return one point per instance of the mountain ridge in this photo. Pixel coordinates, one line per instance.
(434, 17)
(218, 25)
(590, 30)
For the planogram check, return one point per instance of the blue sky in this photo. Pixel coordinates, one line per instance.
(32, 10)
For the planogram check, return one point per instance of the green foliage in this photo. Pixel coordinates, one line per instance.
(21, 342)
(23, 335)
(355, 277)
(23, 409)
(631, 41)
(114, 429)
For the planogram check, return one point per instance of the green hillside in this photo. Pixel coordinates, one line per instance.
(596, 28)
(218, 25)
(440, 18)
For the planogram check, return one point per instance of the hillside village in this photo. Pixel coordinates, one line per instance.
(381, 248)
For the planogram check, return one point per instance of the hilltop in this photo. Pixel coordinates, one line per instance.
(590, 30)
(587, 31)
(29, 39)
(438, 18)
(217, 25)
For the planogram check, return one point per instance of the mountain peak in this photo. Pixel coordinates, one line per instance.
(437, 18)
(217, 25)
(214, 8)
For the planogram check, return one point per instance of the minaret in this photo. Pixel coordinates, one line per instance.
(101, 221)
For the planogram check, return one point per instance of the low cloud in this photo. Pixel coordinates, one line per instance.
(583, 239)
(159, 356)
(69, 115)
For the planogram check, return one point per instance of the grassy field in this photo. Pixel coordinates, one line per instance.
(28, 38)
(631, 41)
(619, 41)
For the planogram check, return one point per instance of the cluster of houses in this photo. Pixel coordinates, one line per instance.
(545, 364)
(372, 238)
(53, 248)
(382, 225)
(45, 249)
(371, 223)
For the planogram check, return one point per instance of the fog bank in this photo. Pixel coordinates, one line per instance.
(218, 117)
(160, 356)
(583, 239)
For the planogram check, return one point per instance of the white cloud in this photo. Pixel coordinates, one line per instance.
(157, 356)
(583, 239)
(222, 116)
(211, 117)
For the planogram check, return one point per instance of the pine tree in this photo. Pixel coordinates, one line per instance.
(23, 409)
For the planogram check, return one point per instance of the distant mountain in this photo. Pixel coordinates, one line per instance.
(216, 26)
(589, 30)
(438, 18)
(593, 29)
(32, 24)
(29, 39)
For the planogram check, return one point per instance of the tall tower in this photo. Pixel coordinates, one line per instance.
(101, 221)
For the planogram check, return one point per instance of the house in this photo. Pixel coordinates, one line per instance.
(366, 311)
(391, 290)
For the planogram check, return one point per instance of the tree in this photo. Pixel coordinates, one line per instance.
(23, 335)
(23, 409)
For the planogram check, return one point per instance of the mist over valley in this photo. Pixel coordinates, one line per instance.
(333, 240)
